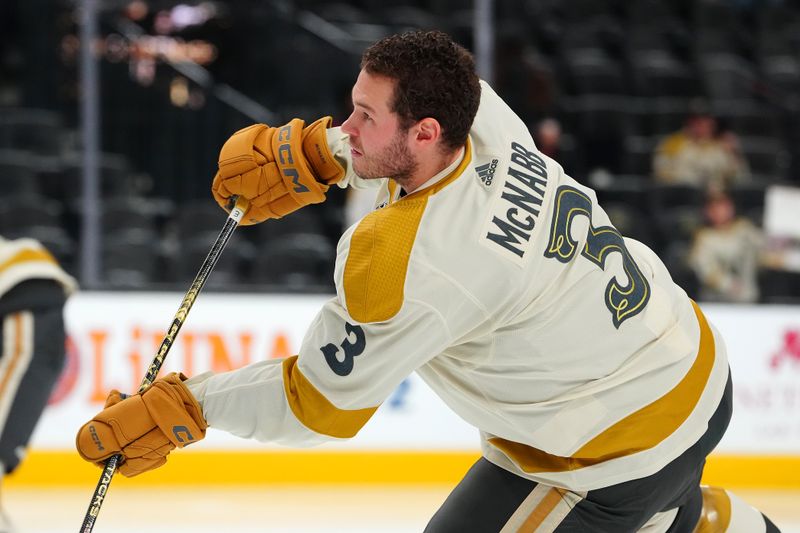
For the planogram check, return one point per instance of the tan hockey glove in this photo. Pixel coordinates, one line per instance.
(279, 169)
(144, 427)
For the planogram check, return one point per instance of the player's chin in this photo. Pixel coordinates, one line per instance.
(364, 172)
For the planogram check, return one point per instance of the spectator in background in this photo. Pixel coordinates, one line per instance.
(33, 291)
(547, 134)
(726, 253)
(698, 155)
(523, 74)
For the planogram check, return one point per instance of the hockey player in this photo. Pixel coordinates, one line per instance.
(33, 291)
(597, 385)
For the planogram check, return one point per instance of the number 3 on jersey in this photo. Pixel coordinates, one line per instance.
(624, 301)
(350, 349)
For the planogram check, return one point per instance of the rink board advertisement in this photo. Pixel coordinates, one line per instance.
(113, 337)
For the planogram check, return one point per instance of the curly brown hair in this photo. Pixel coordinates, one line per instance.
(435, 78)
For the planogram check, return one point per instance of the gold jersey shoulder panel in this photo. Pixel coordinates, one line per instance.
(380, 248)
(375, 272)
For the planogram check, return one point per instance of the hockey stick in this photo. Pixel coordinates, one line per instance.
(233, 220)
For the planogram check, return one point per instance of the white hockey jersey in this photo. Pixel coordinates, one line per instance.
(502, 283)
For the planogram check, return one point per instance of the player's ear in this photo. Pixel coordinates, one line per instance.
(428, 130)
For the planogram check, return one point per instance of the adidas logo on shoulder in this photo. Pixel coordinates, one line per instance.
(486, 172)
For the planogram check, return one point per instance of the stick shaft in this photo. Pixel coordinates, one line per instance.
(210, 261)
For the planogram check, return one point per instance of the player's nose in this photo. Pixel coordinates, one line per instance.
(347, 127)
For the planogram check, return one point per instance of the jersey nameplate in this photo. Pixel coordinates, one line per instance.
(523, 192)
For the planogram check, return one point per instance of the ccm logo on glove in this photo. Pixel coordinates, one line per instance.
(96, 438)
(285, 157)
(182, 430)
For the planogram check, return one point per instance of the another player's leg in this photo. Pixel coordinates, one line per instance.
(33, 343)
(32, 357)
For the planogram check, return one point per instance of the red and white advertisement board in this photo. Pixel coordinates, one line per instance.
(763, 345)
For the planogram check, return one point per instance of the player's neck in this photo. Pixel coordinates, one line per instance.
(429, 168)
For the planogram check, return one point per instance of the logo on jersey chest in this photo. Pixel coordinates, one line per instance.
(523, 192)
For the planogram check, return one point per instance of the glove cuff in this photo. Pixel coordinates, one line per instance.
(175, 411)
(327, 169)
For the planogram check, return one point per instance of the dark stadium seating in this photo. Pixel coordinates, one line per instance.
(768, 157)
(302, 262)
(114, 174)
(184, 261)
(658, 74)
(21, 213)
(618, 75)
(129, 263)
(660, 116)
(195, 218)
(17, 176)
(36, 130)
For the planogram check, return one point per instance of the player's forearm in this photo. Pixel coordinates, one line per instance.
(250, 403)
